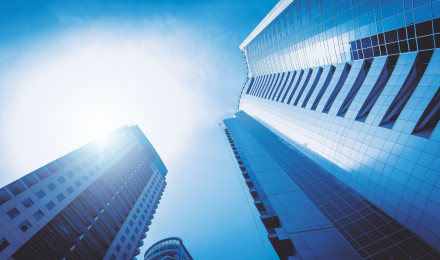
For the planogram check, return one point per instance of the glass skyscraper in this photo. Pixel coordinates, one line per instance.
(336, 131)
(171, 248)
(93, 203)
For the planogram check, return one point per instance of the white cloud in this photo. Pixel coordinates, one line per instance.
(90, 80)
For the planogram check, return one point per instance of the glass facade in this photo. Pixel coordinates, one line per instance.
(311, 33)
(369, 231)
(353, 88)
(83, 205)
(171, 248)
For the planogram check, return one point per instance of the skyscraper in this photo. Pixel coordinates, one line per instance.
(171, 248)
(336, 133)
(93, 203)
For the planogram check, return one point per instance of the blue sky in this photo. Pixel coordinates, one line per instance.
(71, 71)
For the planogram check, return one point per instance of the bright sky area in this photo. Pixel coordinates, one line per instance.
(72, 71)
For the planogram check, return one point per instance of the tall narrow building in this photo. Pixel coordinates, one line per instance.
(93, 203)
(337, 128)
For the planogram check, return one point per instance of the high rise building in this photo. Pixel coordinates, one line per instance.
(93, 203)
(337, 130)
(171, 248)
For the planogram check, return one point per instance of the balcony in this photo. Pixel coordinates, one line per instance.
(270, 220)
(140, 243)
(260, 206)
(136, 252)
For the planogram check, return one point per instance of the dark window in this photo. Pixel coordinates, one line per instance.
(51, 186)
(296, 86)
(85, 177)
(324, 87)
(123, 238)
(424, 28)
(355, 88)
(303, 87)
(69, 189)
(41, 173)
(118, 248)
(70, 174)
(78, 183)
(250, 86)
(25, 226)
(338, 87)
(30, 180)
(132, 238)
(425, 43)
(272, 87)
(12, 213)
(4, 196)
(271, 97)
(288, 87)
(3, 244)
(50, 205)
(127, 230)
(408, 87)
(28, 202)
(61, 197)
(38, 215)
(40, 194)
(16, 187)
(430, 117)
(61, 180)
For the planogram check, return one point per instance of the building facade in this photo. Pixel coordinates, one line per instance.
(350, 91)
(171, 248)
(93, 203)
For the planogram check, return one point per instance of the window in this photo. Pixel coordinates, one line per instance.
(377, 89)
(50, 205)
(30, 180)
(296, 86)
(51, 186)
(85, 178)
(28, 202)
(324, 87)
(40, 194)
(312, 88)
(354, 89)
(61, 180)
(131, 223)
(70, 174)
(408, 87)
(78, 183)
(309, 74)
(136, 230)
(250, 86)
(3, 244)
(61, 197)
(69, 189)
(38, 215)
(123, 238)
(288, 88)
(128, 246)
(78, 169)
(132, 238)
(92, 173)
(25, 226)
(12, 213)
(430, 117)
(118, 248)
(337, 88)
(16, 187)
(127, 230)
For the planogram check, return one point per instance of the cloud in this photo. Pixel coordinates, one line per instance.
(91, 79)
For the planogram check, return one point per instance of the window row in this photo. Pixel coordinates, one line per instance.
(290, 87)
